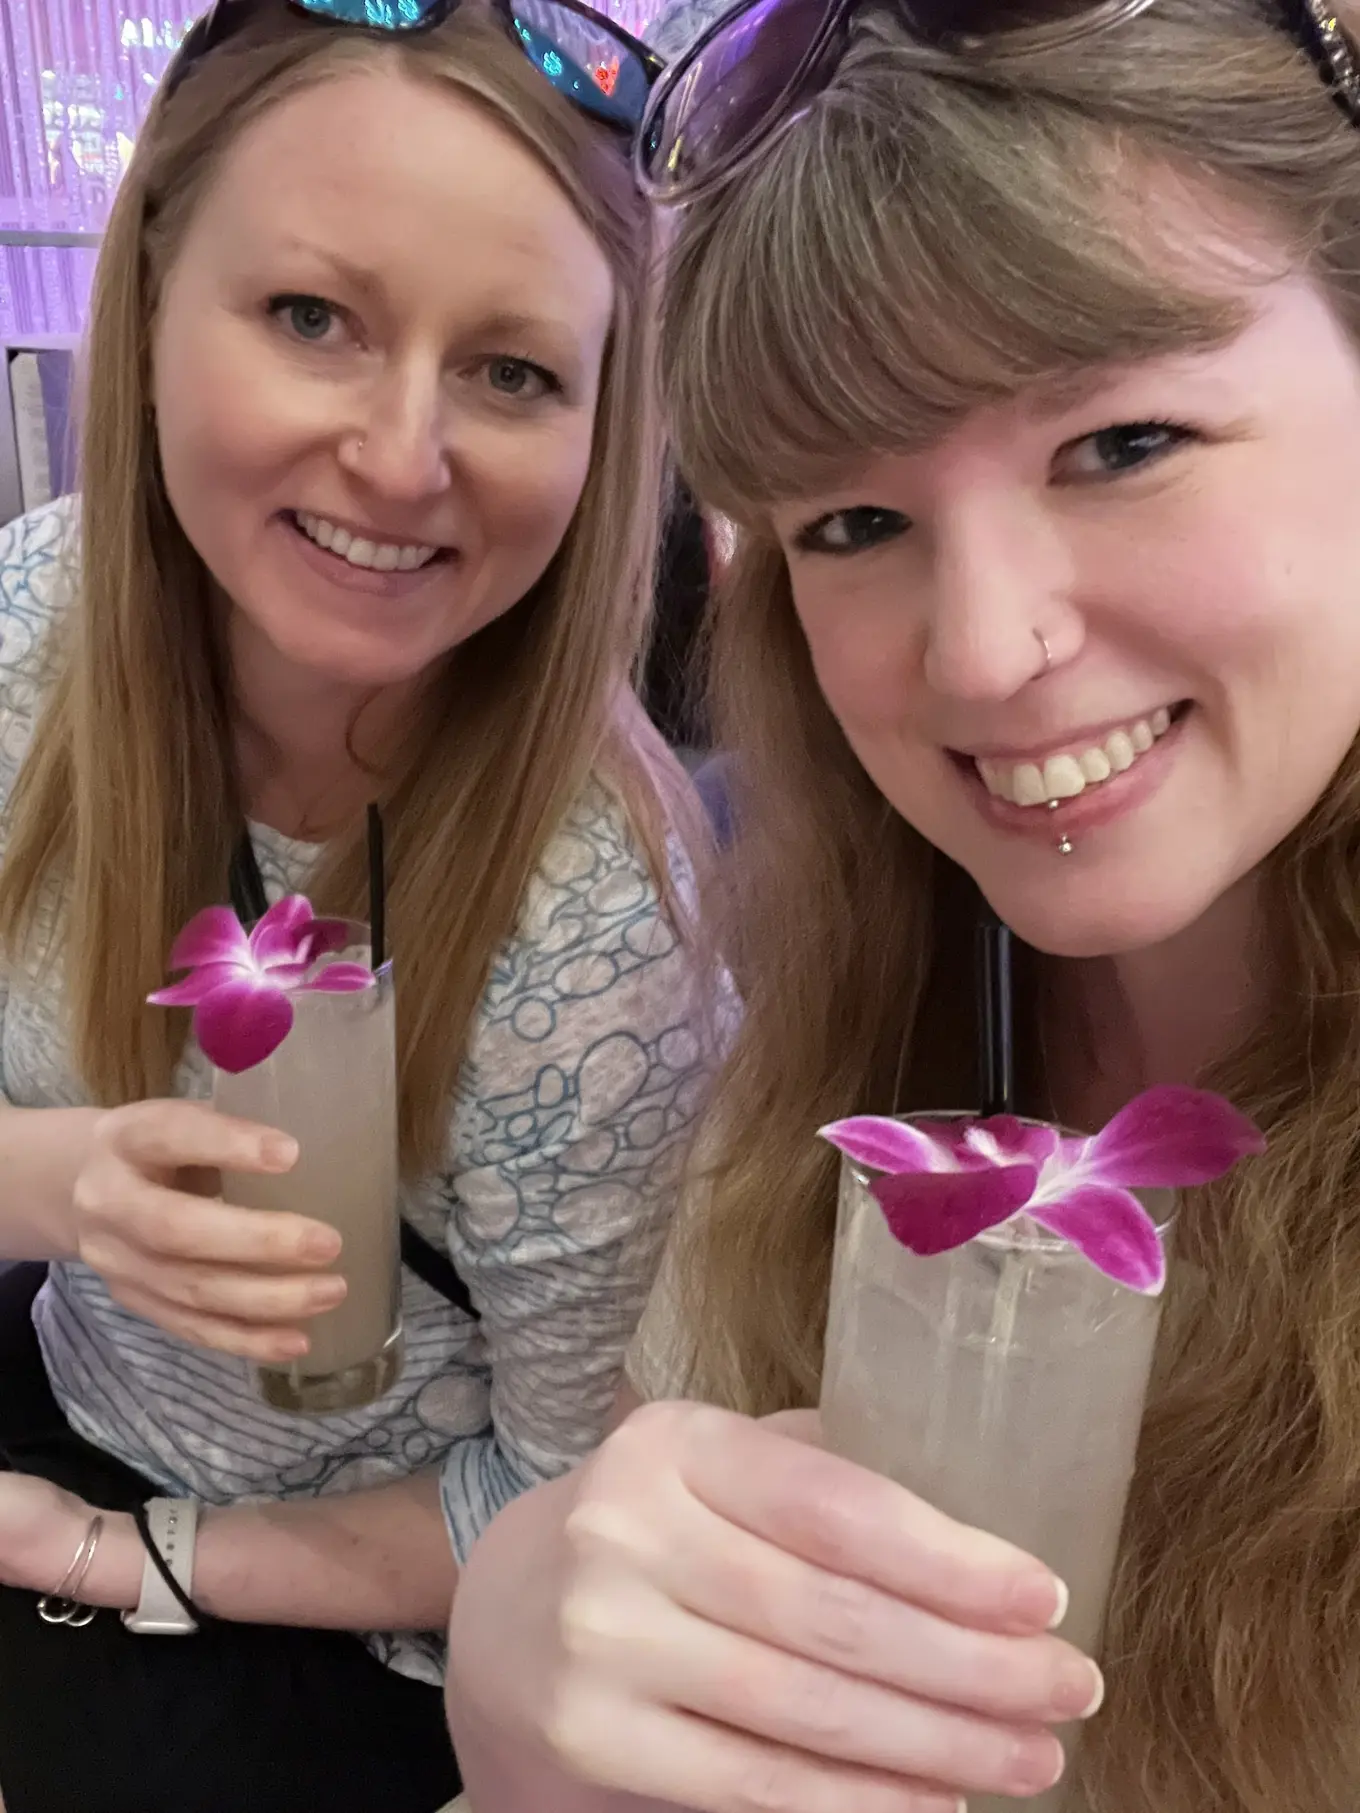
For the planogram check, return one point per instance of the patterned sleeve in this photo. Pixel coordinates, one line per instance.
(35, 555)
(585, 1077)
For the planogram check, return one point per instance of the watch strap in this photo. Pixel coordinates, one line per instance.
(169, 1529)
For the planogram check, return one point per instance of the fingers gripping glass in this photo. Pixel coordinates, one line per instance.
(755, 69)
(601, 68)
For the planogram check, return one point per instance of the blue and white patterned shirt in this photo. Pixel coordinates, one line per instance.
(584, 1073)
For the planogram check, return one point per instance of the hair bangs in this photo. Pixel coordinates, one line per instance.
(887, 269)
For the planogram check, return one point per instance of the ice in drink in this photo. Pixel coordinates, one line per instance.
(1003, 1382)
(332, 1084)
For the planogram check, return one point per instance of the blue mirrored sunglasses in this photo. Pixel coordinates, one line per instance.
(602, 69)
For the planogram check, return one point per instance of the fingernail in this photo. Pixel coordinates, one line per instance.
(1032, 1600)
(293, 1346)
(1035, 1764)
(1064, 1600)
(278, 1151)
(325, 1243)
(1079, 1694)
(328, 1293)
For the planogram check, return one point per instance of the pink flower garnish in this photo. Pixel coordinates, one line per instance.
(239, 986)
(945, 1182)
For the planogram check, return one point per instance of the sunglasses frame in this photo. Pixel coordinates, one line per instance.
(225, 18)
(1312, 23)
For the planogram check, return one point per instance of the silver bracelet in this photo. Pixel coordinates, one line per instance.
(63, 1607)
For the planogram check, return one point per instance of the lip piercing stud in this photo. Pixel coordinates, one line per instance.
(1064, 845)
(1042, 640)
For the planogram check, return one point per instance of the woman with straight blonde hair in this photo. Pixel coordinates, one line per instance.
(1024, 347)
(370, 477)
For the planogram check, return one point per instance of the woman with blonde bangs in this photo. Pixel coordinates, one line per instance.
(1030, 367)
(370, 474)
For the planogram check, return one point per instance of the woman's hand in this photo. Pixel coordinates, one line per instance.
(239, 1280)
(742, 1621)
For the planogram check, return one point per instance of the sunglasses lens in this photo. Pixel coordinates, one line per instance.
(729, 90)
(584, 60)
(377, 15)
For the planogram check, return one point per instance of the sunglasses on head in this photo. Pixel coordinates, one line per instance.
(756, 68)
(604, 70)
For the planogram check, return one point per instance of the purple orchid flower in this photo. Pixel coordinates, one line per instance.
(239, 985)
(945, 1183)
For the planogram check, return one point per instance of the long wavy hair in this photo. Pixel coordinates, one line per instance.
(129, 793)
(925, 240)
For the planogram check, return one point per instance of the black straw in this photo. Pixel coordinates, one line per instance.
(245, 883)
(996, 1033)
(377, 890)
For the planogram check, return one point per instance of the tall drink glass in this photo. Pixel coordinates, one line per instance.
(332, 1084)
(1003, 1382)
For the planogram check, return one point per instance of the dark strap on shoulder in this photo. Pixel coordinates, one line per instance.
(435, 1269)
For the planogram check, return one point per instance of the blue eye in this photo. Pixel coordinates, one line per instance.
(520, 378)
(307, 317)
(851, 531)
(1122, 448)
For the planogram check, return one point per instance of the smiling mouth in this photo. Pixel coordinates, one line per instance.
(371, 552)
(1076, 770)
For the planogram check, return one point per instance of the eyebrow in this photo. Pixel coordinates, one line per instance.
(354, 274)
(510, 322)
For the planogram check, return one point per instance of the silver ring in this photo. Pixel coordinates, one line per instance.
(1048, 658)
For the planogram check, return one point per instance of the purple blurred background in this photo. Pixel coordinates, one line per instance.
(75, 79)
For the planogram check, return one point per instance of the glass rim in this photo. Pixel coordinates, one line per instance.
(381, 976)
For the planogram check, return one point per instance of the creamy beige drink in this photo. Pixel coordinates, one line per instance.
(332, 1085)
(1003, 1382)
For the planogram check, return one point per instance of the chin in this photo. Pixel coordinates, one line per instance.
(1069, 920)
(355, 658)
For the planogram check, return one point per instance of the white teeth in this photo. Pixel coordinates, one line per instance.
(991, 780)
(1065, 776)
(360, 551)
(1119, 747)
(1063, 779)
(1027, 785)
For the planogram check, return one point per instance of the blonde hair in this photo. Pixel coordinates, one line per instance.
(923, 241)
(129, 789)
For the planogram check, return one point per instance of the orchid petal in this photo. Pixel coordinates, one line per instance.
(1170, 1137)
(239, 1024)
(328, 936)
(213, 936)
(279, 936)
(196, 986)
(884, 1144)
(338, 979)
(286, 975)
(1113, 1230)
(1003, 1137)
(932, 1211)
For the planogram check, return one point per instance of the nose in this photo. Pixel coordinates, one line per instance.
(400, 448)
(1002, 610)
